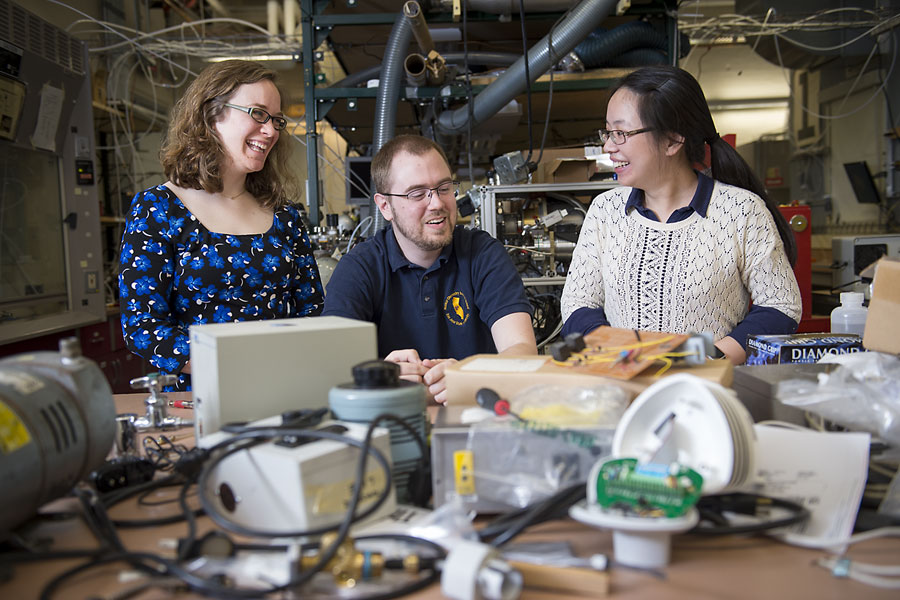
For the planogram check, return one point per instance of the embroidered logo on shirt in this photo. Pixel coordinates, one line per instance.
(456, 308)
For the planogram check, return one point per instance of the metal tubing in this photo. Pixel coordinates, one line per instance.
(274, 14)
(505, 7)
(414, 66)
(413, 12)
(493, 59)
(583, 19)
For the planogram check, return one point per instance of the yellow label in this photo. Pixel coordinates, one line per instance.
(464, 472)
(334, 498)
(13, 434)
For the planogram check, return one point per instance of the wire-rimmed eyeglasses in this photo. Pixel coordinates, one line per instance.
(618, 136)
(448, 189)
(261, 115)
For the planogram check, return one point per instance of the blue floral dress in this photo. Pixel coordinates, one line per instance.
(176, 273)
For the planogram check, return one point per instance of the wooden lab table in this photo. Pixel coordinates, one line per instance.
(728, 567)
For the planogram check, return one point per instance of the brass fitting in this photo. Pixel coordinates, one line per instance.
(348, 565)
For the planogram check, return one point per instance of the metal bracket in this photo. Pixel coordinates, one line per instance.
(322, 108)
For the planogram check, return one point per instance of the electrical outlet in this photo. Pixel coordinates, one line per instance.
(82, 146)
(91, 282)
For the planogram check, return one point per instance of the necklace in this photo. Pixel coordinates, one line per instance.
(235, 197)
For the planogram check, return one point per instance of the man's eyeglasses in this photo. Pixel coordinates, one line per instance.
(618, 136)
(448, 189)
(261, 116)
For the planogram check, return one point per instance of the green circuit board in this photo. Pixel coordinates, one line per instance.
(650, 489)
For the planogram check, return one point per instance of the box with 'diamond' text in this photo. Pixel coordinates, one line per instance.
(799, 347)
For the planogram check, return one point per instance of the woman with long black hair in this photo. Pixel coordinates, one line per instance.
(673, 249)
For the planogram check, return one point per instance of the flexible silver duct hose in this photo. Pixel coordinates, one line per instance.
(389, 95)
(583, 19)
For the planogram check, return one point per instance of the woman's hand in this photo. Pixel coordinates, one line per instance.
(732, 350)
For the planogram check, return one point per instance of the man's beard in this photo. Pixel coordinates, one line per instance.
(417, 234)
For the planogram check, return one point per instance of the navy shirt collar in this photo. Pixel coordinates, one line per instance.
(398, 260)
(699, 203)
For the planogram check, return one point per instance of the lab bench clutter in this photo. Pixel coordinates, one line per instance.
(601, 468)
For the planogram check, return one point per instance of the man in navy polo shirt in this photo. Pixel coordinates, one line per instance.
(433, 289)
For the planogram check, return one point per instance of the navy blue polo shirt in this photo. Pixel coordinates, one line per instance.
(444, 311)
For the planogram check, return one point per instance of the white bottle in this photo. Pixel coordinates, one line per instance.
(850, 316)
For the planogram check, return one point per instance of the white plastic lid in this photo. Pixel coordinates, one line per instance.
(852, 297)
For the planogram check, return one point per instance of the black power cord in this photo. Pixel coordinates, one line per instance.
(715, 509)
(190, 471)
(505, 527)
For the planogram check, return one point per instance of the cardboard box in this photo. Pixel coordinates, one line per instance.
(883, 321)
(565, 165)
(507, 375)
(799, 347)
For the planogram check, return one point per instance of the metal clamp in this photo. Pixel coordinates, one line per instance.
(156, 415)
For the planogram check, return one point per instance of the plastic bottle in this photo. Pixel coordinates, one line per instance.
(850, 316)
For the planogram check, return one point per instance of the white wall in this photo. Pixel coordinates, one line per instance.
(729, 74)
(856, 136)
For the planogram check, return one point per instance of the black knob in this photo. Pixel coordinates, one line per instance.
(575, 342)
(376, 374)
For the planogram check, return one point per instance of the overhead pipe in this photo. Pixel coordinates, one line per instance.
(291, 12)
(583, 19)
(274, 16)
(506, 7)
(601, 47)
(492, 59)
(388, 97)
(414, 67)
(433, 65)
(413, 12)
(639, 57)
(390, 81)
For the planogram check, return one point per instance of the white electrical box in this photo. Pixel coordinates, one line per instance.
(256, 369)
(276, 488)
(852, 254)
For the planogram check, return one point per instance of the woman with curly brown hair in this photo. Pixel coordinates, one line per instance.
(220, 241)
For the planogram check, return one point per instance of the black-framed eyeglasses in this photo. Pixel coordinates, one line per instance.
(261, 115)
(448, 189)
(618, 136)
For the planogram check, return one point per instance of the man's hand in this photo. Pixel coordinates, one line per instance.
(411, 367)
(434, 377)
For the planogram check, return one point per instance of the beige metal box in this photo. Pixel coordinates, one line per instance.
(256, 369)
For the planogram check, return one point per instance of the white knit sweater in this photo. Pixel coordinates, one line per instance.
(696, 275)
